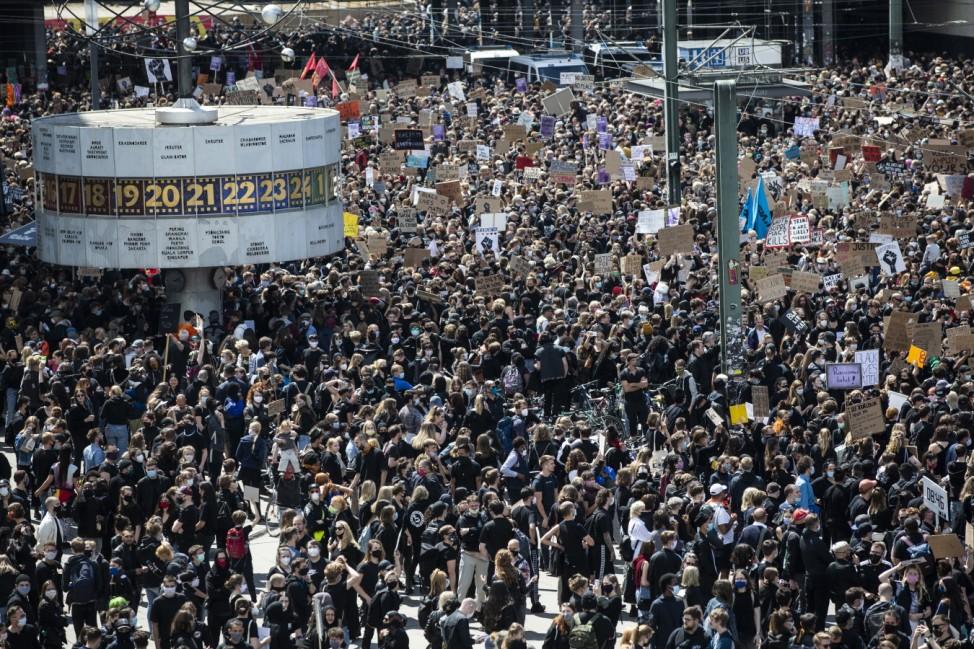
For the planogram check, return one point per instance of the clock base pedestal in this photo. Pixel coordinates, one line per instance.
(198, 293)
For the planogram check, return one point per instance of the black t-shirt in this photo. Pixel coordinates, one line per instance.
(465, 472)
(471, 540)
(163, 612)
(495, 535)
(548, 486)
(570, 535)
(523, 517)
(599, 525)
(633, 376)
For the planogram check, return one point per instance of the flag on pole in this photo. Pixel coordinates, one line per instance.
(309, 66)
(335, 88)
(745, 218)
(760, 211)
(354, 65)
(321, 72)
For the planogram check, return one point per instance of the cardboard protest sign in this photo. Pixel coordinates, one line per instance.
(413, 257)
(895, 334)
(760, 399)
(558, 103)
(631, 264)
(451, 189)
(804, 282)
(519, 265)
(650, 221)
(674, 239)
(772, 287)
(407, 223)
(596, 201)
(603, 263)
(489, 285)
(945, 159)
(368, 282)
(928, 336)
(276, 407)
(900, 227)
(487, 240)
(865, 418)
(945, 546)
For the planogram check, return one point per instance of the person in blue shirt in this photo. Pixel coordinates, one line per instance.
(720, 636)
(806, 496)
(93, 454)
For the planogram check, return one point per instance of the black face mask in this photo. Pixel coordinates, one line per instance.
(890, 628)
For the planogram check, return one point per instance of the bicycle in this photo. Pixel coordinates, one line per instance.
(271, 514)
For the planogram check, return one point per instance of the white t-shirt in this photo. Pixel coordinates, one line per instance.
(721, 517)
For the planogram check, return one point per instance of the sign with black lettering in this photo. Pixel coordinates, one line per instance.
(169, 318)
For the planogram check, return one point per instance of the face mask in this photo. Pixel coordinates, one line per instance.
(830, 474)
(740, 583)
(50, 594)
(168, 591)
(195, 583)
(314, 553)
(890, 628)
(189, 458)
(315, 498)
(875, 558)
(415, 331)
(151, 473)
(243, 589)
(4, 491)
(200, 557)
(313, 344)
(50, 556)
(335, 642)
(258, 398)
(235, 636)
(22, 622)
(23, 590)
(114, 570)
(285, 561)
(910, 579)
(222, 562)
(133, 621)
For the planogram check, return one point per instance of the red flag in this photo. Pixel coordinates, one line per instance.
(335, 88)
(354, 65)
(322, 68)
(309, 66)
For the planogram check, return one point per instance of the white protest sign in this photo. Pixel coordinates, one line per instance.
(935, 498)
(650, 221)
(869, 360)
(488, 239)
(799, 229)
(778, 235)
(890, 258)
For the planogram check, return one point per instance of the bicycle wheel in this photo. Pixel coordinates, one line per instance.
(272, 513)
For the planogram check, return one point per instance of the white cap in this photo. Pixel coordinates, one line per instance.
(716, 489)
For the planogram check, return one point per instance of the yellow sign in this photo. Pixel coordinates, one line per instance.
(916, 356)
(351, 225)
(738, 414)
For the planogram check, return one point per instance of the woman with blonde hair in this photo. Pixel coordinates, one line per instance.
(690, 583)
(478, 419)
(343, 544)
(427, 431)
(637, 637)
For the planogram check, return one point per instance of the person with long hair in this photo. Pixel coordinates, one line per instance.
(517, 584)
(557, 634)
(61, 477)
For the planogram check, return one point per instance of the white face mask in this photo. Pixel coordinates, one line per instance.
(524, 412)
(168, 591)
(315, 498)
(285, 561)
(50, 556)
(258, 398)
(50, 594)
(314, 552)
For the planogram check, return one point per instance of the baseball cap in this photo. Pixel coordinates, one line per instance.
(716, 489)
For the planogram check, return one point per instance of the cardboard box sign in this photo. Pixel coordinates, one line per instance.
(596, 201)
(489, 285)
(772, 288)
(675, 239)
(519, 266)
(865, 418)
(631, 264)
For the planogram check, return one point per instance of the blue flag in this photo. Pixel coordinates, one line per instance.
(745, 218)
(760, 211)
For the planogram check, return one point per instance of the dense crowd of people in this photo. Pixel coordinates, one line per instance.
(448, 446)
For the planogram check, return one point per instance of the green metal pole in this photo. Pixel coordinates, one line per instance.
(896, 33)
(728, 230)
(671, 107)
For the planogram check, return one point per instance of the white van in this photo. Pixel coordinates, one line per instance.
(611, 61)
(538, 68)
(492, 61)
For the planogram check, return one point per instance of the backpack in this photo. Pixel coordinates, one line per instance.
(512, 380)
(83, 583)
(873, 621)
(236, 543)
(582, 636)
(425, 610)
(366, 535)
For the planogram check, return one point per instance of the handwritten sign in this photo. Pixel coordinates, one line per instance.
(678, 238)
(865, 418)
(759, 397)
(843, 376)
(489, 285)
(868, 360)
(772, 287)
